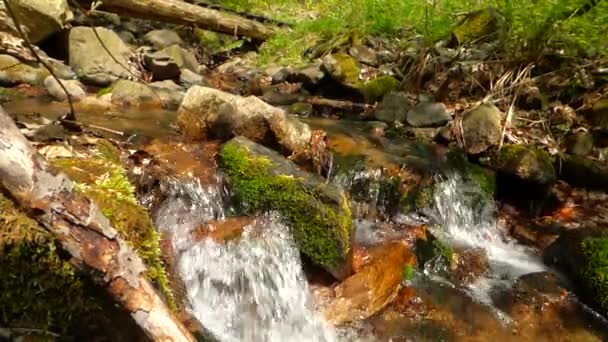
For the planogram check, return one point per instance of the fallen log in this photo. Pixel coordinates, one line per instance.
(82, 231)
(183, 13)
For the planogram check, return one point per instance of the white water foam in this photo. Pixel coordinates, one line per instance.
(250, 289)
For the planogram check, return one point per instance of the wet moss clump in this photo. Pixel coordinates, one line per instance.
(103, 179)
(322, 231)
(375, 89)
(39, 289)
(594, 273)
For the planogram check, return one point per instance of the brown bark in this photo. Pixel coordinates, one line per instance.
(82, 231)
(180, 12)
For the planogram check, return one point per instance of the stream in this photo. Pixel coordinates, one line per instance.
(254, 288)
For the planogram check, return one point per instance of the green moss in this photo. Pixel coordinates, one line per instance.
(419, 197)
(479, 175)
(594, 273)
(9, 94)
(321, 231)
(445, 251)
(104, 180)
(526, 162)
(408, 272)
(477, 25)
(375, 89)
(38, 288)
(104, 91)
(346, 69)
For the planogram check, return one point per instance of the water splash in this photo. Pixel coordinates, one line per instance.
(250, 289)
(466, 217)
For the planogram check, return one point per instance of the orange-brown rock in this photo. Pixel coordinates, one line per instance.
(222, 231)
(373, 287)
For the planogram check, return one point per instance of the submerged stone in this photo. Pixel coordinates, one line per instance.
(317, 212)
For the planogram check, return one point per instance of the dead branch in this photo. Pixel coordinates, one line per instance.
(83, 232)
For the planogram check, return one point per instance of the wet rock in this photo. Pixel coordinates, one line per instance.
(74, 88)
(583, 255)
(484, 24)
(364, 55)
(13, 71)
(171, 94)
(526, 163)
(161, 39)
(161, 66)
(373, 287)
(133, 94)
(207, 112)
(428, 114)
(189, 78)
(470, 264)
(91, 61)
(375, 89)
(127, 37)
(182, 57)
(481, 128)
(342, 68)
(583, 172)
(310, 75)
(579, 144)
(317, 212)
(392, 108)
(222, 231)
(38, 18)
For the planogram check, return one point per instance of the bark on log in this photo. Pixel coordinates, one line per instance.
(84, 232)
(180, 12)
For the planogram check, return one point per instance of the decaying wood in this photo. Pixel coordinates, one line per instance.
(183, 13)
(84, 233)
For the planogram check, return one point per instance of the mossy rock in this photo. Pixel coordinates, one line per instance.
(343, 69)
(525, 162)
(375, 89)
(484, 24)
(418, 198)
(583, 255)
(583, 172)
(9, 94)
(103, 179)
(476, 174)
(317, 212)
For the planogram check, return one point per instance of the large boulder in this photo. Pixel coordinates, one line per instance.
(583, 255)
(207, 112)
(392, 108)
(481, 128)
(428, 114)
(316, 211)
(38, 18)
(13, 71)
(92, 62)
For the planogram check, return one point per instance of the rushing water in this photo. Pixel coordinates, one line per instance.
(250, 289)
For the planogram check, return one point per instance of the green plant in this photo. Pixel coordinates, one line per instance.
(408, 272)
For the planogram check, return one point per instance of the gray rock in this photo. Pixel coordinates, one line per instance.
(127, 37)
(13, 71)
(211, 113)
(74, 87)
(342, 68)
(161, 66)
(481, 128)
(38, 18)
(182, 58)
(309, 75)
(90, 60)
(161, 39)
(583, 172)
(579, 143)
(393, 107)
(428, 114)
(127, 93)
(189, 78)
(170, 93)
(364, 54)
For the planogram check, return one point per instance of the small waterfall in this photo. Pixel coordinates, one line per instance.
(250, 289)
(466, 217)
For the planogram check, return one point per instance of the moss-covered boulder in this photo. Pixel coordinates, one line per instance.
(374, 90)
(583, 255)
(343, 69)
(484, 24)
(525, 162)
(127, 93)
(317, 212)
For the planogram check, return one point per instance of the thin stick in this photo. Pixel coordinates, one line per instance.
(72, 115)
(109, 130)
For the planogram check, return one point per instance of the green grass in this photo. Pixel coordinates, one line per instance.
(530, 23)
